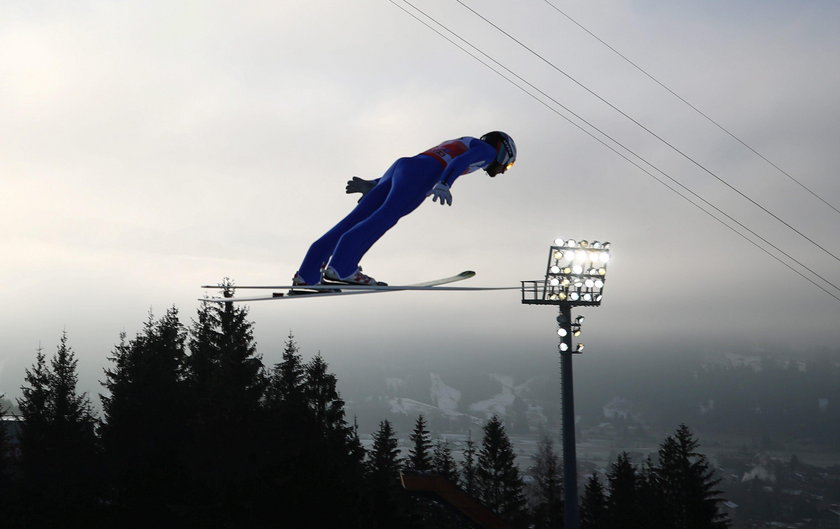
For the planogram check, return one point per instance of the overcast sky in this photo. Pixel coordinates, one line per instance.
(147, 148)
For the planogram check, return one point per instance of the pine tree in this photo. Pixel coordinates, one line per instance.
(622, 505)
(288, 422)
(383, 458)
(321, 395)
(5, 463)
(35, 444)
(546, 491)
(226, 381)
(69, 407)
(58, 442)
(419, 455)
(309, 450)
(332, 465)
(499, 483)
(284, 399)
(469, 465)
(144, 433)
(387, 503)
(650, 498)
(288, 432)
(285, 386)
(593, 505)
(242, 373)
(36, 411)
(443, 464)
(355, 441)
(687, 483)
(225, 372)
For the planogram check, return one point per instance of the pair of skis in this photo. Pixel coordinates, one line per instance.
(320, 291)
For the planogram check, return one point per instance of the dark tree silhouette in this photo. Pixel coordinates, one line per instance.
(443, 463)
(383, 463)
(226, 381)
(420, 454)
(500, 486)
(387, 503)
(224, 370)
(650, 498)
(469, 467)
(146, 411)
(195, 433)
(287, 421)
(546, 490)
(687, 483)
(5, 460)
(285, 390)
(323, 400)
(333, 452)
(309, 451)
(623, 505)
(593, 505)
(288, 432)
(60, 467)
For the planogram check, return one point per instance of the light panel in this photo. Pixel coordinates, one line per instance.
(576, 271)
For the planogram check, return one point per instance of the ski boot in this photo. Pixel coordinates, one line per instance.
(356, 278)
(299, 287)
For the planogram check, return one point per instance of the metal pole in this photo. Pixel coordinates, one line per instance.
(570, 488)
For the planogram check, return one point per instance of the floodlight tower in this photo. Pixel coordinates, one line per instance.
(574, 277)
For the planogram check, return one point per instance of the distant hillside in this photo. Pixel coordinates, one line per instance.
(760, 394)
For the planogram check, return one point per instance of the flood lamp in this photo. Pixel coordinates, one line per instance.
(577, 270)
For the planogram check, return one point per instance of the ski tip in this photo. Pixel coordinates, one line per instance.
(466, 274)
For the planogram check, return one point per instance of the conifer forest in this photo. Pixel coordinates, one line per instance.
(196, 431)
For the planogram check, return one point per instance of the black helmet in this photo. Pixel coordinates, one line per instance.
(505, 148)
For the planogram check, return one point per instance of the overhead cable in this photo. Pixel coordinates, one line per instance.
(697, 110)
(643, 127)
(622, 155)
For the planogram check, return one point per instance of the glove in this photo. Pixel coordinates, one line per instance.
(359, 185)
(441, 191)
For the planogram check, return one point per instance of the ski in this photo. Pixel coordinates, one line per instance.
(338, 289)
(333, 285)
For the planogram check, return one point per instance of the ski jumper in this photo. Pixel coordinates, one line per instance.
(403, 187)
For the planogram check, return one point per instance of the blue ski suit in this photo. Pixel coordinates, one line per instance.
(403, 187)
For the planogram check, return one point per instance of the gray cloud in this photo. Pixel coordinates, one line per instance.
(150, 148)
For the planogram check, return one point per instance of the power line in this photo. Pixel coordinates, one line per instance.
(622, 155)
(623, 147)
(709, 118)
(643, 127)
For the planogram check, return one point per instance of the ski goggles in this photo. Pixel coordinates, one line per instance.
(507, 154)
